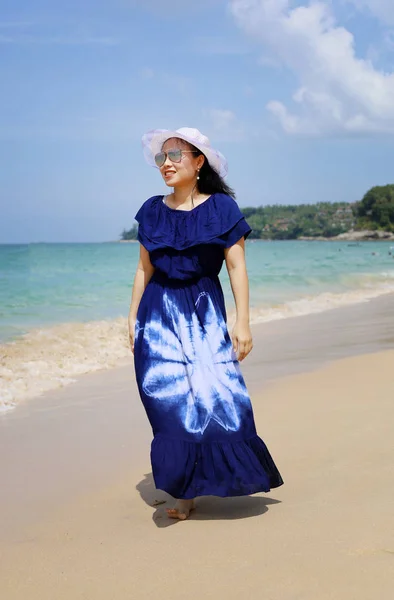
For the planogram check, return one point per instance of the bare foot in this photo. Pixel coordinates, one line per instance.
(181, 509)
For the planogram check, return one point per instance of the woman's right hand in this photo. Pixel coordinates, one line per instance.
(132, 322)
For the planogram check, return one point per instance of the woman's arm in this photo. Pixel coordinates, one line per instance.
(236, 267)
(144, 272)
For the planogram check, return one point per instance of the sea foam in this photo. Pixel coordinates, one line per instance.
(49, 358)
(46, 359)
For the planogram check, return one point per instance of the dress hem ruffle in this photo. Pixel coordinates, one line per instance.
(186, 469)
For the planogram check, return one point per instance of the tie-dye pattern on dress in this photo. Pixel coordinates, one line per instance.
(188, 376)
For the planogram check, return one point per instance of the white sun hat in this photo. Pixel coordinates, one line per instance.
(153, 140)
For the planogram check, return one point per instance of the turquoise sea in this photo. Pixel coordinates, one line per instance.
(63, 306)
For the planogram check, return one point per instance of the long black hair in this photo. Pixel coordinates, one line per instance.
(210, 181)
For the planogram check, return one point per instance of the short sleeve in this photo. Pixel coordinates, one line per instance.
(142, 216)
(239, 230)
(139, 215)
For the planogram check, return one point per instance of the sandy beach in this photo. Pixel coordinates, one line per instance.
(81, 518)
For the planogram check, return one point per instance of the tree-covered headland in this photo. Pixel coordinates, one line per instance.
(324, 219)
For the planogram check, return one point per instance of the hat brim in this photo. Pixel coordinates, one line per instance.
(153, 140)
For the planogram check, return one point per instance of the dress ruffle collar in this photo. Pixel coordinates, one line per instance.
(161, 226)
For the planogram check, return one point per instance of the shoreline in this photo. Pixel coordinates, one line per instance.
(364, 235)
(357, 236)
(47, 359)
(348, 236)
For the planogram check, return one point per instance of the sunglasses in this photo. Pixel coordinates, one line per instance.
(174, 156)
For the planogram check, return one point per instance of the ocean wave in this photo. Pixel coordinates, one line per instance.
(321, 302)
(50, 358)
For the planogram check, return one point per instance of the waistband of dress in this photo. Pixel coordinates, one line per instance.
(162, 278)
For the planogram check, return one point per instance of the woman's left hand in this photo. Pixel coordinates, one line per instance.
(242, 339)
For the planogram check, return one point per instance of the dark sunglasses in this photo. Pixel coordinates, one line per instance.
(174, 156)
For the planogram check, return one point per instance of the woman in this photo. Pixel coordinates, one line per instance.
(186, 363)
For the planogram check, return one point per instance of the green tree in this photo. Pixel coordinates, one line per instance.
(376, 209)
(131, 234)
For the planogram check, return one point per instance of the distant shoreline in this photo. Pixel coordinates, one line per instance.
(350, 236)
(354, 236)
(367, 235)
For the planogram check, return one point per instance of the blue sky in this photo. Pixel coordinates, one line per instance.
(298, 95)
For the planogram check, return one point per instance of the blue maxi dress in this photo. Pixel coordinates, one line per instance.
(188, 376)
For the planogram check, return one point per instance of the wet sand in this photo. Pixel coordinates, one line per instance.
(77, 519)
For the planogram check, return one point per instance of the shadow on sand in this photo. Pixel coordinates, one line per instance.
(207, 507)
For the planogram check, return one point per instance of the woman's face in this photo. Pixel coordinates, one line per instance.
(184, 172)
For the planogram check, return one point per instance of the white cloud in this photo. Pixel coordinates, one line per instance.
(222, 119)
(338, 92)
(224, 125)
(382, 9)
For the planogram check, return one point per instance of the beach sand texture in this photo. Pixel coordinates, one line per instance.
(79, 514)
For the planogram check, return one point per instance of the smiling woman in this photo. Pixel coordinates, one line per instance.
(186, 362)
(187, 159)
